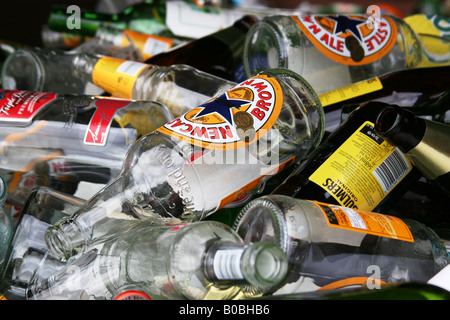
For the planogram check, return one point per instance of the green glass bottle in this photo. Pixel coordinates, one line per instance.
(148, 16)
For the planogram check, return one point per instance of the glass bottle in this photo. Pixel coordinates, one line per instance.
(421, 140)
(418, 89)
(179, 87)
(172, 19)
(398, 291)
(333, 51)
(147, 17)
(330, 247)
(6, 227)
(28, 251)
(435, 107)
(202, 161)
(353, 167)
(63, 140)
(219, 53)
(199, 261)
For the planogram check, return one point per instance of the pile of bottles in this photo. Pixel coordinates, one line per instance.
(227, 150)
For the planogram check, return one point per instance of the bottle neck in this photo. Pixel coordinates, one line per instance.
(83, 65)
(400, 127)
(262, 265)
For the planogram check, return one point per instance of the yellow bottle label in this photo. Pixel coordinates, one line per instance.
(351, 91)
(363, 170)
(117, 76)
(148, 45)
(366, 221)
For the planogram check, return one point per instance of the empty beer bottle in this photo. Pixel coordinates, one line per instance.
(353, 166)
(421, 140)
(172, 19)
(330, 247)
(201, 161)
(219, 53)
(179, 87)
(68, 138)
(333, 51)
(28, 251)
(203, 260)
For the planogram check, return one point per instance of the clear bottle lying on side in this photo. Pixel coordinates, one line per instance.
(330, 246)
(179, 87)
(55, 140)
(201, 161)
(333, 51)
(203, 260)
(28, 251)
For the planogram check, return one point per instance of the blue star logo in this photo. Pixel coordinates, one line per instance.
(222, 106)
(344, 23)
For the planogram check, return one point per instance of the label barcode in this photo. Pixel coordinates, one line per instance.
(392, 170)
(131, 68)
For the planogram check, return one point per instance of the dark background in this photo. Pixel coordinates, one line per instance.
(21, 20)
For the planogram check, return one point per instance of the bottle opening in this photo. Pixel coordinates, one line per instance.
(387, 119)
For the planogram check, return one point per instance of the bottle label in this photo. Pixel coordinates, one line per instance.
(350, 91)
(227, 264)
(363, 170)
(22, 106)
(233, 120)
(98, 128)
(349, 39)
(365, 221)
(117, 76)
(148, 45)
(132, 295)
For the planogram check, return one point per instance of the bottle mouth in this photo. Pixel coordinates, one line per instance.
(62, 239)
(23, 71)
(263, 49)
(387, 120)
(270, 265)
(261, 220)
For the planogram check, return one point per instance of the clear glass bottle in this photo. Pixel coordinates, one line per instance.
(6, 226)
(179, 87)
(330, 247)
(175, 174)
(199, 261)
(28, 251)
(63, 140)
(333, 51)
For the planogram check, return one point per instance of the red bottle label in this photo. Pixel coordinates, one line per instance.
(100, 123)
(22, 106)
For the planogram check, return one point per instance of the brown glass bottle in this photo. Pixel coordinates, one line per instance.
(353, 167)
(219, 53)
(406, 88)
(423, 141)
